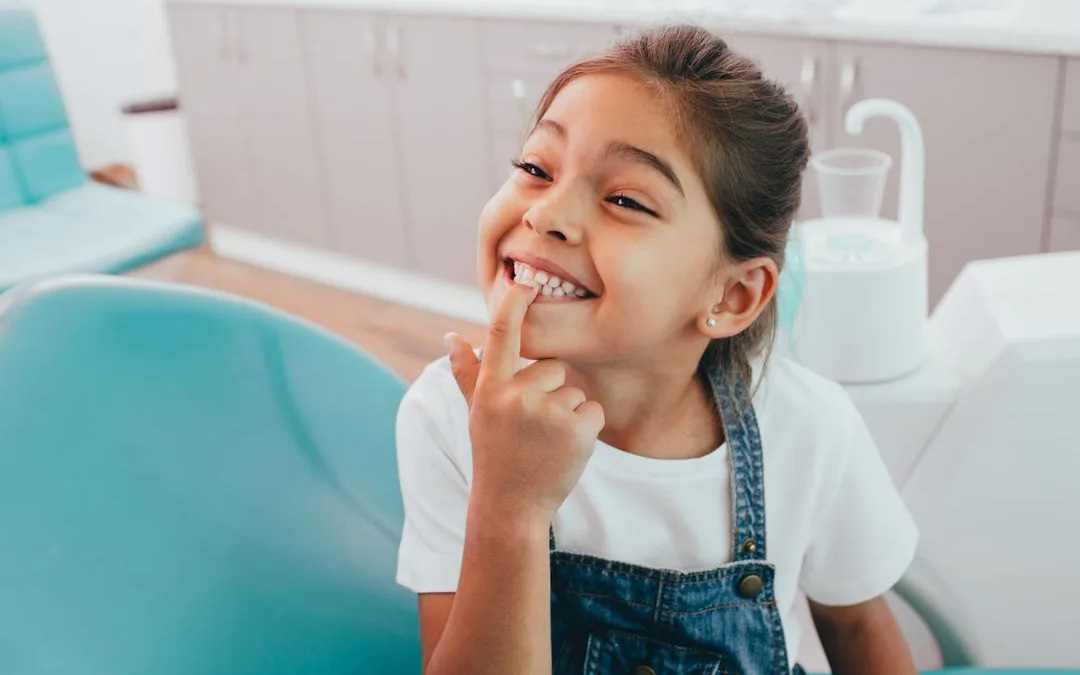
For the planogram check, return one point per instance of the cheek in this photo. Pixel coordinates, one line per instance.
(500, 216)
(658, 278)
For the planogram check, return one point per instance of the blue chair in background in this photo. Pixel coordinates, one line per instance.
(52, 220)
(193, 484)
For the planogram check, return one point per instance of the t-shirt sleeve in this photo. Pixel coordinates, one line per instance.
(434, 490)
(864, 538)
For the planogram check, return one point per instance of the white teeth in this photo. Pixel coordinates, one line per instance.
(549, 283)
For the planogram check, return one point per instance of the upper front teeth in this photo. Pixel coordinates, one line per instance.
(551, 284)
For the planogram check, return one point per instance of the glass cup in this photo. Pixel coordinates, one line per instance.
(851, 181)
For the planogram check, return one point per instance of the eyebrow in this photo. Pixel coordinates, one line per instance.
(552, 125)
(639, 156)
(625, 151)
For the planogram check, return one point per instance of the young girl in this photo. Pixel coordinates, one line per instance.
(625, 483)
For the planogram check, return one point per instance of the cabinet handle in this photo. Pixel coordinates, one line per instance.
(517, 90)
(808, 74)
(393, 45)
(220, 29)
(548, 52)
(238, 40)
(848, 74)
(807, 82)
(372, 40)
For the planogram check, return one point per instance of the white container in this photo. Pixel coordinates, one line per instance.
(160, 153)
(864, 307)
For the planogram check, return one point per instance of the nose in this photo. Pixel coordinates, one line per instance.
(559, 214)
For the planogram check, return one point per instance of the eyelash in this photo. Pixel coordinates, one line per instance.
(616, 199)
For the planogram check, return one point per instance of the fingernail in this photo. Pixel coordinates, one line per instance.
(449, 340)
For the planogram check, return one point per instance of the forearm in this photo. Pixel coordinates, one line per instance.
(870, 642)
(501, 617)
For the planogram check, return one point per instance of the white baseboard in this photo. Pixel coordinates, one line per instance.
(381, 281)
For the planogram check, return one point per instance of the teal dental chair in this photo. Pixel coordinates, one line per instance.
(193, 484)
(52, 220)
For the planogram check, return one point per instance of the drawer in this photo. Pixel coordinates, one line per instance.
(512, 100)
(1065, 232)
(1070, 117)
(539, 47)
(1067, 185)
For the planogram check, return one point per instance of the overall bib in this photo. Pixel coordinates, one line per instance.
(609, 617)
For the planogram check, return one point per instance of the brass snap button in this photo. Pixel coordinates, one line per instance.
(749, 546)
(644, 670)
(750, 585)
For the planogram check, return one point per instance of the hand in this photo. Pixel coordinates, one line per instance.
(531, 434)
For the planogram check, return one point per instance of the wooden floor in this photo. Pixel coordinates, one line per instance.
(402, 337)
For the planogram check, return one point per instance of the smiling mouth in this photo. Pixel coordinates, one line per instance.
(551, 286)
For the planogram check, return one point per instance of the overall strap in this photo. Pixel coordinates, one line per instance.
(746, 463)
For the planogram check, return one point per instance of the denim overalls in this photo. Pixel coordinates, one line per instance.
(610, 617)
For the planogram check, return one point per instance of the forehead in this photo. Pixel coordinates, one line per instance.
(617, 106)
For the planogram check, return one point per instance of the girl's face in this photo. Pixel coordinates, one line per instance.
(604, 198)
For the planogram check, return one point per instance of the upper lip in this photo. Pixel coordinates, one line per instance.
(547, 266)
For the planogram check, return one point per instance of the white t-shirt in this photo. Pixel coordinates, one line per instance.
(835, 525)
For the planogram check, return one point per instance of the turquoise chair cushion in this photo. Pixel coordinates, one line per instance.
(92, 228)
(193, 484)
(33, 123)
(30, 101)
(20, 41)
(10, 192)
(46, 164)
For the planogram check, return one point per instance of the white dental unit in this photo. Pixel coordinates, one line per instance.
(976, 408)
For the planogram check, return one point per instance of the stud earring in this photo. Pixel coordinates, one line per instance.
(711, 322)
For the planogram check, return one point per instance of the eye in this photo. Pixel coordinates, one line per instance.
(531, 169)
(628, 203)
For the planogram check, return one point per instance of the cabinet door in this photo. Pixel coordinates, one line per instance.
(276, 117)
(439, 96)
(803, 67)
(354, 119)
(987, 121)
(207, 71)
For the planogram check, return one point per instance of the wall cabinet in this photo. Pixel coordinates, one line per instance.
(354, 119)
(244, 87)
(439, 97)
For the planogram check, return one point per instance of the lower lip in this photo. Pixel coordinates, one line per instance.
(540, 297)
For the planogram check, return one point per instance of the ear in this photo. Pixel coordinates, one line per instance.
(740, 297)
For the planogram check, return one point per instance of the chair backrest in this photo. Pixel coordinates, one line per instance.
(193, 483)
(37, 153)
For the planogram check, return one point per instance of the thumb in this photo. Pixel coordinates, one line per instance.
(464, 363)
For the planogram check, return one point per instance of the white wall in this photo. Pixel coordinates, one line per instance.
(106, 53)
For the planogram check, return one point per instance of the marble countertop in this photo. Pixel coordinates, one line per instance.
(1027, 26)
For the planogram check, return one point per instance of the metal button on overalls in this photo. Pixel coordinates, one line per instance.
(644, 670)
(750, 586)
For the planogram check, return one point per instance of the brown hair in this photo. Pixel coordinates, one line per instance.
(745, 135)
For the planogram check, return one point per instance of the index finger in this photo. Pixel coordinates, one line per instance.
(502, 349)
